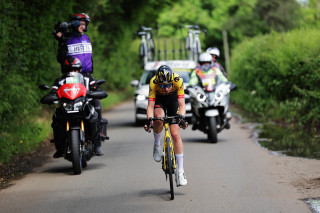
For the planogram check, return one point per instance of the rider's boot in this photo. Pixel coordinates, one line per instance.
(228, 117)
(97, 148)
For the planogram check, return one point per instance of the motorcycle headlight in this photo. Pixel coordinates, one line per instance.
(141, 97)
(201, 97)
(72, 106)
(77, 106)
(68, 106)
(219, 95)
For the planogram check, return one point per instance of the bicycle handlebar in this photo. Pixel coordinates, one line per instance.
(167, 119)
(143, 28)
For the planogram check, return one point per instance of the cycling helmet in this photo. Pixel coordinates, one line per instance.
(164, 74)
(213, 51)
(70, 64)
(205, 58)
(76, 18)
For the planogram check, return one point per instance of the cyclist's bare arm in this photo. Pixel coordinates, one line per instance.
(182, 111)
(182, 106)
(150, 109)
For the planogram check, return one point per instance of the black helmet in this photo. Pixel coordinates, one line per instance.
(164, 74)
(70, 64)
(76, 18)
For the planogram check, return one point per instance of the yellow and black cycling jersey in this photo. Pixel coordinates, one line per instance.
(155, 87)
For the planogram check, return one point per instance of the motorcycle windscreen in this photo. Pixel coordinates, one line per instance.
(72, 91)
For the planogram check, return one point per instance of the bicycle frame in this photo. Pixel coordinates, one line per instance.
(168, 144)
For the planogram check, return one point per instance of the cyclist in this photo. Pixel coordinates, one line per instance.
(215, 53)
(166, 93)
(77, 44)
(71, 64)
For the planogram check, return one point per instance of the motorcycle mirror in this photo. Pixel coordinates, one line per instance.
(134, 83)
(100, 81)
(44, 87)
(233, 87)
(97, 94)
(49, 99)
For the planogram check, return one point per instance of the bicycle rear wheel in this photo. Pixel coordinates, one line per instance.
(170, 166)
(188, 48)
(197, 50)
(143, 57)
(151, 50)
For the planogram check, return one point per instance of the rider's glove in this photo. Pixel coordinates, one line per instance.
(148, 125)
(183, 122)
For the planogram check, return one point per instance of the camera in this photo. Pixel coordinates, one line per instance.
(65, 28)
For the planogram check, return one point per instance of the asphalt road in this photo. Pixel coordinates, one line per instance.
(230, 176)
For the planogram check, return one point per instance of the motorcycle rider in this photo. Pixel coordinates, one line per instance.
(166, 93)
(206, 70)
(71, 64)
(205, 67)
(77, 44)
(215, 53)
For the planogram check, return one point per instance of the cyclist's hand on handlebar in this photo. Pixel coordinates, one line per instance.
(183, 122)
(149, 125)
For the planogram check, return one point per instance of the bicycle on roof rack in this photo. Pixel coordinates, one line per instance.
(192, 42)
(147, 48)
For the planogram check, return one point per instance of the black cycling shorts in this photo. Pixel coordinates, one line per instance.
(169, 104)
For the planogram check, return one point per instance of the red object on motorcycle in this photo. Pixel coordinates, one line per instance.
(72, 91)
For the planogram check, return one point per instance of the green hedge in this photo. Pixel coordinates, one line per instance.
(28, 58)
(278, 77)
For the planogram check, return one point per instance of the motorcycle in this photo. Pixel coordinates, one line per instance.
(210, 102)
(80, 117)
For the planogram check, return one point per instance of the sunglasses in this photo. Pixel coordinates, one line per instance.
(162, 86)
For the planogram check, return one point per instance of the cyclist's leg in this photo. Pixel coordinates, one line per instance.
(157, 129)
(178, 146)
(158, 112)
(172, 110)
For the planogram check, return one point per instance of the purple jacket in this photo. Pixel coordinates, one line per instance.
(80, 47)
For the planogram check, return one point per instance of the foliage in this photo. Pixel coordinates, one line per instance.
(28, 56)
(277, 76)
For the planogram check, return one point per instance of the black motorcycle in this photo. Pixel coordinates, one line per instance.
(80, 118)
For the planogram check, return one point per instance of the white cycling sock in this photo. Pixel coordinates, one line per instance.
(157, 139)
(179, 158)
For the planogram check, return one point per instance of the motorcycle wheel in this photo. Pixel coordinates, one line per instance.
(212, 132)
(75, 150)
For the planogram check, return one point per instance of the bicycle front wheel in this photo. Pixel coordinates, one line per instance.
(170, 166)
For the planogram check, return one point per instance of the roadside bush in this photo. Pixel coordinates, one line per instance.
(278, 77)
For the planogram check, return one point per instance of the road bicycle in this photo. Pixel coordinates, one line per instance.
(192, 42)
(168, 158)
(147, 48)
